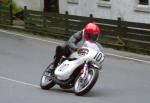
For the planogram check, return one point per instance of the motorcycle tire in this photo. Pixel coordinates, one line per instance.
(46, 81)
(88, 86)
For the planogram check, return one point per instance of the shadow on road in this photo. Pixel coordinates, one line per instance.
(92, 93)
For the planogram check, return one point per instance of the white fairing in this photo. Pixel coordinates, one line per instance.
(64, 71)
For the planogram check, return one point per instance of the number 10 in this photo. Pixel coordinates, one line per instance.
(98, 57)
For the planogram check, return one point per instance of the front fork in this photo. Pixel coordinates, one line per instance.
(84, 71)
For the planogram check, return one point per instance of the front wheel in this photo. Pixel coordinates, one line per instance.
(82, 86)
(46, 81)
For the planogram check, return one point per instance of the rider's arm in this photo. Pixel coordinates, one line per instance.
(74, 39)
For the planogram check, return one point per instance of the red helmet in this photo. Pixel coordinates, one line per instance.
(91, 32)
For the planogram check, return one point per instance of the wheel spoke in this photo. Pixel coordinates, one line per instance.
(46, 79)
(82, 84)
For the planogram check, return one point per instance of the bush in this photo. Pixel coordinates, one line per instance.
(18, 12)
(4, 2)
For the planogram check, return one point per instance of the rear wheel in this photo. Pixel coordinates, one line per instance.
(82, 86)
(46, 81)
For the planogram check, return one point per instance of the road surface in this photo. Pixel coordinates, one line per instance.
(23, 59)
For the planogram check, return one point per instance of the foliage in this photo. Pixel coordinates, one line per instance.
(4, 2)
(17, 11)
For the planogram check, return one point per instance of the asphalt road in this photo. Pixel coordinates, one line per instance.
(22, 61)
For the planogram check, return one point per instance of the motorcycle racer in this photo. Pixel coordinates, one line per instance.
(90, 33)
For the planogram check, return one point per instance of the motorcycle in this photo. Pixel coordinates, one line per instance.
(79, 71)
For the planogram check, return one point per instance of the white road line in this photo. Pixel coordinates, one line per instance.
(19, 82)
(139, 60)
(35, 38)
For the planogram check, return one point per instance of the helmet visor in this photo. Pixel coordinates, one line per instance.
(93, 37)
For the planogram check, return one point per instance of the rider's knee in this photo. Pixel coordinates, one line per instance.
(58, 49)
